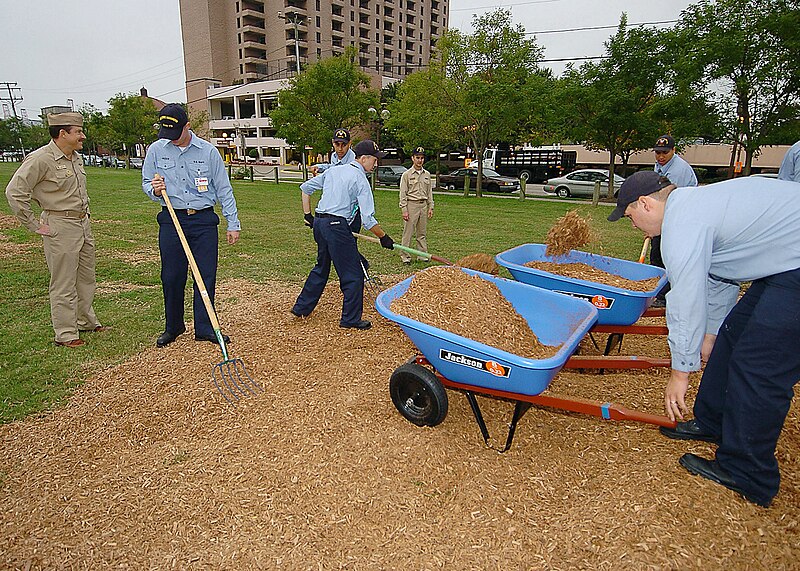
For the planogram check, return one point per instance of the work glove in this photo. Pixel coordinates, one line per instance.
(309, 218)
(387, 242)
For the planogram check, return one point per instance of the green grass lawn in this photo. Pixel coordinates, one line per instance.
(275, 245)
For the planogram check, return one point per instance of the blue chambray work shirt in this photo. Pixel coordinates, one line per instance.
(348, 157)
(733, 231)
(185, 171)
(678, 171)
(342, 187)
(790, 166)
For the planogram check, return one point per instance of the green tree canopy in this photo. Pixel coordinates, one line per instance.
(130, 121)
(744, 53)
(478, 88)
(326, 95)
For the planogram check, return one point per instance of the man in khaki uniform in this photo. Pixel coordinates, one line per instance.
(53, 177)
(416, 203)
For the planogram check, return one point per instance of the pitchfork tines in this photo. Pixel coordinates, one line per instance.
(231, 377)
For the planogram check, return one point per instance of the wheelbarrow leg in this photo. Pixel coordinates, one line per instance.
(476, 410)
(519, 410)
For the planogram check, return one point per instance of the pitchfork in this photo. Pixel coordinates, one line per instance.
(230, 372)
(372, 285)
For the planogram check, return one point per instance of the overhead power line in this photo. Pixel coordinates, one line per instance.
(599, 27)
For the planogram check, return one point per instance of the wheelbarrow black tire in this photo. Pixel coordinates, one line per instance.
(418, 395)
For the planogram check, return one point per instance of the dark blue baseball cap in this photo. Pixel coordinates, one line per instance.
(638, 184)
(173, 119)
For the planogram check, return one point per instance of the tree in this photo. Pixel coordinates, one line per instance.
(93, 127)
(624, 102)
(482, 82)
(745, 52)
(130, 122)
(479, 88)
(325, 96)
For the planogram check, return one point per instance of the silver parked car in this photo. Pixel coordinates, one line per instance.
(581, 183)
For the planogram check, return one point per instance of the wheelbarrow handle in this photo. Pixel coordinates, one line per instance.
(406, 249)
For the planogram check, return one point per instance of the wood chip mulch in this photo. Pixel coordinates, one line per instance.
(590, 273)
(569, 232)
(147, 467)
(471, 307)
(480, 263)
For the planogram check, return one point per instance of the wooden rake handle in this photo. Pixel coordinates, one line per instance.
(201, 286)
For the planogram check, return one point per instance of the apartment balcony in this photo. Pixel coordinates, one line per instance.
(248, 15)
(255, 5)
(251, 29)
(250, 48)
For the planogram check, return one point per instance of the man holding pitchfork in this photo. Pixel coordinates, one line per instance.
(192, 172)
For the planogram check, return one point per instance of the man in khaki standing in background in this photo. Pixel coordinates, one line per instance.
(416, 203)
(53, 177)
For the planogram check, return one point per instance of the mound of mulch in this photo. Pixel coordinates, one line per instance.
(569, 232)
(471, 307)
(480, 263)
(147, 467)
(586, 272)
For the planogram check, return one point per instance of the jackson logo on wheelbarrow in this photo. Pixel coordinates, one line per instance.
(599, 301)
(492, 367)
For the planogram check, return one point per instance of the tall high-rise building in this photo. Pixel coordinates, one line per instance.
(230, 44)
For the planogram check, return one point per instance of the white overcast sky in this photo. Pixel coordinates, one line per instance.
(90, 50)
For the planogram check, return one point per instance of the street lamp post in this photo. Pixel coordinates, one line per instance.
(378, 118)
(296, 19)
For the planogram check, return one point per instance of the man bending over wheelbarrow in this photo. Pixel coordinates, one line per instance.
(740, 230)
(341, 187)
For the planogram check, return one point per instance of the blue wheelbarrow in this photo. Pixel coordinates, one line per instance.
(445, 359)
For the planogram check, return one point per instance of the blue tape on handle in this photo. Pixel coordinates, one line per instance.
(605, 410)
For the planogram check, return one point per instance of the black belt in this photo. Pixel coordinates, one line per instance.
(326, 215)
(189, 211)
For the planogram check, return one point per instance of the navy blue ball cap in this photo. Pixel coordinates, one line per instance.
(173, 119)
(341, 136)
(368, 147)
(638, 184)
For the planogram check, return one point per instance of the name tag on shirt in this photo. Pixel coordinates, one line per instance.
(201, 183)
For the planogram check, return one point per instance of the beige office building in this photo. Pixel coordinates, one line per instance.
(239, 53)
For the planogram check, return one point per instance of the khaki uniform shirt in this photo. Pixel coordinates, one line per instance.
(416, 185)
(54, 181)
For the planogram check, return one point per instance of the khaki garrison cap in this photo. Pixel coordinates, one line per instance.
(65, 119)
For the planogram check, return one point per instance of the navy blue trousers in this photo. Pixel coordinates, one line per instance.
(203, 238)
(747, 385)
(335, 244)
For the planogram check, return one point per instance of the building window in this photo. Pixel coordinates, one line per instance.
(319, 38)
(317, 5)
(318, 22)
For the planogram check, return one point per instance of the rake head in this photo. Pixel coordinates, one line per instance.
(233, 381)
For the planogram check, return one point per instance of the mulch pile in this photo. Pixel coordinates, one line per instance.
(569, 232)
(480, 262)
(147, 467)
(471, 307)
(592, 274)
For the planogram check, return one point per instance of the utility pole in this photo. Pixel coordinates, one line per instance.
(12, 97)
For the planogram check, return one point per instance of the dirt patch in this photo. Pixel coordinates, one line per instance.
(146, 467)
(138, 257)
(471, 307)
(7, 221)
(590, 273)
(119, 286)
(10, 249)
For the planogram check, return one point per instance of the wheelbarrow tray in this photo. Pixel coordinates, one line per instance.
(616, 306)
(554, 318)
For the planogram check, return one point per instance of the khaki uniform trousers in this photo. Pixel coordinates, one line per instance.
(417, 223)
(70, 255)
